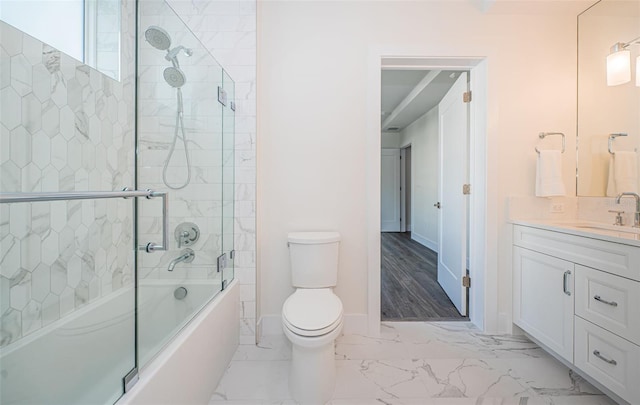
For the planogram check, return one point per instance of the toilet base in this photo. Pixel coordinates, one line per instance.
(313, 374)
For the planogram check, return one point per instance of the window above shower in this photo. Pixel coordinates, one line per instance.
(87, 30)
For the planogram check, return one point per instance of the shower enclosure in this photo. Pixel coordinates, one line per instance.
(117, 206)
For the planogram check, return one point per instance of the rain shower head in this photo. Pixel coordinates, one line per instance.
(158, 38)
(174, 77)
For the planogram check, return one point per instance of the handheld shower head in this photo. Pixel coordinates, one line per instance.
(174, 77)
(158, 38)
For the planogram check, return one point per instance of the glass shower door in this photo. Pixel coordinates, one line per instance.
(228, 179)
(67, 258)
(180, 150)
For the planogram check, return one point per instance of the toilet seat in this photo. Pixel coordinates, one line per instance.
(312, 312)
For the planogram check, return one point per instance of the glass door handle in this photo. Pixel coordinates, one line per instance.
(151, 246)
(9, 198)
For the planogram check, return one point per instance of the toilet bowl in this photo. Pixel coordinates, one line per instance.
(312, 317)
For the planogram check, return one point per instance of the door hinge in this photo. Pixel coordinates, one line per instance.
(130, 379)
(222, 96)
(466, 189)
(222, 262)
(466, 281)
(466, 96)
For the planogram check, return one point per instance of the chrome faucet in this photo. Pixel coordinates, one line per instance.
(636, 218)
(187, 256)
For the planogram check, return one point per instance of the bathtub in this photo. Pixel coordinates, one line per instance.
(162, 315)
(83, 357)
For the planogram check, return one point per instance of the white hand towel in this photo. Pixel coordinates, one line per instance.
(625, 168)
(549, 174)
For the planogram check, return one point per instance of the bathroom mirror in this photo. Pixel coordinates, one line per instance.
(607, 109)
(87, 30)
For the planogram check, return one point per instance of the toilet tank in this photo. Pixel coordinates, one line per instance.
(314, 259)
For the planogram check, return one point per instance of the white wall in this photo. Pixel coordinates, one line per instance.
(312, 166)
(390, 140)
(422, 134)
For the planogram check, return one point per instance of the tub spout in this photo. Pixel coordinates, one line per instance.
(187, 256)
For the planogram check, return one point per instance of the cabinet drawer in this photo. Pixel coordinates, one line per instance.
(609, 301)
(611, 360)
(616, 258)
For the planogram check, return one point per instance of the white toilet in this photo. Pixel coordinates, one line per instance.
(312, 315)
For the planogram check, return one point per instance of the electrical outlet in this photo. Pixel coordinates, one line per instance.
(557, 207)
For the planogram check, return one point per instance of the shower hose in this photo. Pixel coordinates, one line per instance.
(179, 129)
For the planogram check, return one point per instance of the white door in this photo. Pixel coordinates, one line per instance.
(452, 221)
(390, 190)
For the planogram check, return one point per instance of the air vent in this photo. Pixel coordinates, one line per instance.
(393, 129)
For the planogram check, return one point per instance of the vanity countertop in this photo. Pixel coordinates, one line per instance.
(595, 230)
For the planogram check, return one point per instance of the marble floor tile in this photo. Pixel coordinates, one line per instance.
(254, 381)
(415, 363)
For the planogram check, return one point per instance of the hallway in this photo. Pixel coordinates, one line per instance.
(410, 290)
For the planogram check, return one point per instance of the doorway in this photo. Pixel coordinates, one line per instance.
(481, 297)
(413, 271)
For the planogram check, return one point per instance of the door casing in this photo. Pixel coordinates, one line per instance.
(483, 298)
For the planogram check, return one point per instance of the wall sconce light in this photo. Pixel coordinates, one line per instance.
(619, 64)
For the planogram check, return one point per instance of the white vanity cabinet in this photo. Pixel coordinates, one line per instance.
(544, 307)
(579, 296)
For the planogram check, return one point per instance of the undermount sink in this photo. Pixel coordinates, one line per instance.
(596, 227)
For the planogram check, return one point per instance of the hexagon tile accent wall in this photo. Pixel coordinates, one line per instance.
(64, 127)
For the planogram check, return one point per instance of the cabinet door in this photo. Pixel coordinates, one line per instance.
(543, 300)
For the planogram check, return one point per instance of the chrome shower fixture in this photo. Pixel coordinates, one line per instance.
(176, 78)
(173, 53)
(158, 38)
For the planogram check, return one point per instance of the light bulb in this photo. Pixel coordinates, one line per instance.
(619, 68)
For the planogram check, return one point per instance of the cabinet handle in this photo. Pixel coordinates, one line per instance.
(601, 357)
(612, 303)
(565, 282)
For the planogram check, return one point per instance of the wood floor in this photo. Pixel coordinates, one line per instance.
(410, 290)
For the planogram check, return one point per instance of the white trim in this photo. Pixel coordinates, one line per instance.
(483, 301)
(433, 245)
(403, 189)
(354, 324)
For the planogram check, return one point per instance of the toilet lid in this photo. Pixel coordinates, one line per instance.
(310, 311)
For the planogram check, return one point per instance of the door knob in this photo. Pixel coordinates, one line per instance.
(437, 205)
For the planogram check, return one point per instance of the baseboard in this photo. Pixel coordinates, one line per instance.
(354, 324)
(424, 241)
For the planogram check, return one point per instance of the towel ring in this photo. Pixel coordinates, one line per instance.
(542, 135)
(612, 137)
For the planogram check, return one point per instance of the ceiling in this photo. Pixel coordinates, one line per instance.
(409, 94)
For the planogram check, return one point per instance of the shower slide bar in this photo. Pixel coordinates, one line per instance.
(8, 198)
(543, 135)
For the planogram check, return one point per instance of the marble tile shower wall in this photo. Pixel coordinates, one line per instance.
(228, 29)
(200, 202)
(64, 127)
